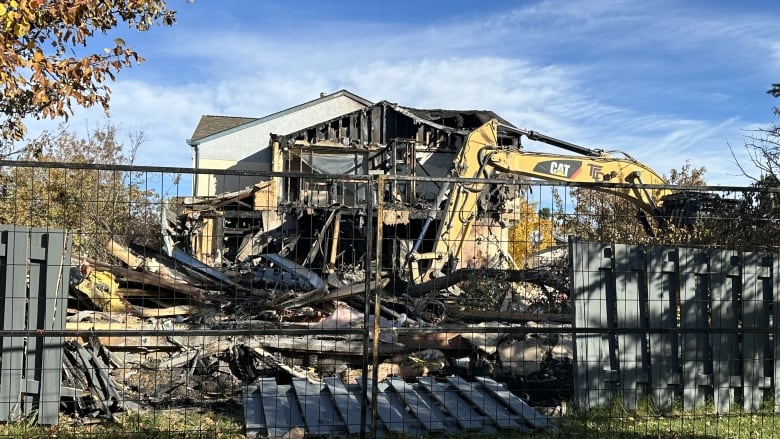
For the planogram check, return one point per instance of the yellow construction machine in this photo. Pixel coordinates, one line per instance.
(485, 156)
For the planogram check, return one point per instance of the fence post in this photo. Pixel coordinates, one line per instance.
(663, 293)
(696, 355)
(631, 294)
(380, 184)
(595, 374)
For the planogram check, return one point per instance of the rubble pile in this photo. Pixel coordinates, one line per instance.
(177, 331)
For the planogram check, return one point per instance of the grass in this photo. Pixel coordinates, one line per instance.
(163, 424)
(613, 422)
(646, 422)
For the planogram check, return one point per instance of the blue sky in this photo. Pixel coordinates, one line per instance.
(665, 81)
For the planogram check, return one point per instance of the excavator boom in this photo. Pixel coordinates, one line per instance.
(484, 157)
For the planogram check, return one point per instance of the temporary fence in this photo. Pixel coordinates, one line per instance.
(237, 303)
(691, 325)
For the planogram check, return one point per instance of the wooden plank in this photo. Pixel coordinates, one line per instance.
(318, 412)
(422, 406)
(36, 317)
(146, 278)
(347, 403)
(630, 295)
(124, 254)
(391, 411)
(531, 416)
(321, 345)
(474, 315)
(663, 284)
(48, 289)
(488, 405)
(590, 276)
(13, 267)
(725, 285)
(448, 396)
(51, 378)
(696, 356)
(756, 351)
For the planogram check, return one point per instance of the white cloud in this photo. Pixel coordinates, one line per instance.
(599, 73)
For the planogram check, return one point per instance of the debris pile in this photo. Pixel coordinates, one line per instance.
(177, 329)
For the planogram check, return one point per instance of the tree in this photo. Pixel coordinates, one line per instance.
(755, 218)
(604, 217)
(762, 146)
(530, 232)
(775, 90)
(93, 202)
(44, 69)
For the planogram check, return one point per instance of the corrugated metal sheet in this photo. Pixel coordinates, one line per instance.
(333, 408)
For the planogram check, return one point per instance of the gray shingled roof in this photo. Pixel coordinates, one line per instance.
(209, 125)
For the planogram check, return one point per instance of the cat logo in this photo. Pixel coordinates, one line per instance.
(560, 169)
(567, 169)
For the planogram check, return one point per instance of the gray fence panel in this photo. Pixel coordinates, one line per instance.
(725, 291)
(775, 301)
(48, 291)
(756, 345)
(663, 291)
(34, 266)
(696, 356)
(630, 288)
(595, 376)
(710, 318)
(14, 269)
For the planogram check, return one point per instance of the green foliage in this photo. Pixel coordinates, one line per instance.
(172, 423)
(95, 204)
(603, 217)
(775, 90)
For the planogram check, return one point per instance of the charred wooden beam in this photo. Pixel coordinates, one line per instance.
(534, 276)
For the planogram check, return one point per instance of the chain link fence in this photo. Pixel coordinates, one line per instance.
(320, 305)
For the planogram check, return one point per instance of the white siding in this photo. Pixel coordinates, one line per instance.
(248, 148)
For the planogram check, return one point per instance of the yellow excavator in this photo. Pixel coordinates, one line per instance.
(484, 157)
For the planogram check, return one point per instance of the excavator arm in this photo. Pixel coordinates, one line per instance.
(483, 157)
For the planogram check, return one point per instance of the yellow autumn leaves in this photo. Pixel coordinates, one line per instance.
(529, 233)
(17, 15)
(40, 74)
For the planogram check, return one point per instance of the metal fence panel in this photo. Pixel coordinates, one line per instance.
(591, 264)
(711, 344)
(34, 263)
(293, 309)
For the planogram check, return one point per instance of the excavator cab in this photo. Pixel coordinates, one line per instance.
(690, 209)
(686, 209)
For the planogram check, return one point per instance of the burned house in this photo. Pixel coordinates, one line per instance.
(318, 209)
